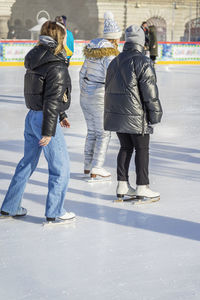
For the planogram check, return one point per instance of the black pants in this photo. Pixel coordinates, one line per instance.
(128, 143)
(153, 58)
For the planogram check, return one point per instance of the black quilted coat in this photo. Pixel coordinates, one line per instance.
(131, 94)
(47, 86)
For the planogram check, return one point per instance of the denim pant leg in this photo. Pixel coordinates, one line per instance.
(57, 157)
(58, 165)
(23, 170)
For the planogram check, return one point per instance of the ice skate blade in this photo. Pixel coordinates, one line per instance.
(83, 176)
(127, 199)
(98, 179)
(70, 222)
(3, 217)
(143, 200)
(136, 200)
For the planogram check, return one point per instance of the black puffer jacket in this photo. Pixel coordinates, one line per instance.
(131, 93)
(46, 85)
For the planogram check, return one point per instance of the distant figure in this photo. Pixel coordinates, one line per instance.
(76, 34)
(11, 33)
(70, 39)
(132, 106)
(98, 55)
(144, 26)
(153, 44)
(19, 29)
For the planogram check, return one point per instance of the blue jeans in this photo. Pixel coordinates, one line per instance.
(58, 165)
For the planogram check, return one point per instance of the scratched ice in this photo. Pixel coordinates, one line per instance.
(113, 251)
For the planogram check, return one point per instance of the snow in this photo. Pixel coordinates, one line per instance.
(114, 251)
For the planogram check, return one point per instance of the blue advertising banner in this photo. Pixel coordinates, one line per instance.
(179, 51)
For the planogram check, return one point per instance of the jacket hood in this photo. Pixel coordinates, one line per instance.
(43, 53)
(99, 48)
(48, 41)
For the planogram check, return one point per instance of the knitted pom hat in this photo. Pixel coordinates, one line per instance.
(111, 29)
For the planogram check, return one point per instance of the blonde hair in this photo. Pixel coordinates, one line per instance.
(57, 32)
(114, 42)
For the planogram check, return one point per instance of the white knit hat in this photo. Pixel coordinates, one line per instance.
(111, 29)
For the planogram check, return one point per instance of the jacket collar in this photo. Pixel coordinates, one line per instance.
(47, 41)
(50, 43)
(132, 46)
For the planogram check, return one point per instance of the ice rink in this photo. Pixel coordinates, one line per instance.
(113, 251)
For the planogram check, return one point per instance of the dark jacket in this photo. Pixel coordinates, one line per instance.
(46, 85)
(153, 44)
(131, 93)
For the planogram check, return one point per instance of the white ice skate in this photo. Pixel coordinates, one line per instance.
(67, 218)
(144, 194)
(99, 175)
(21, 212)
(124, 189)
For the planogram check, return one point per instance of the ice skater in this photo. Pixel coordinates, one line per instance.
(132, 107)
(153, 44)
(144, 26)
(47, 88)
(69, 46)
(99, 53)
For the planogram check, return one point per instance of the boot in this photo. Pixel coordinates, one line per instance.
(67, 216)
(143, 191)
(99, 172)
(86, 172)
(21, 212)
(124, 189)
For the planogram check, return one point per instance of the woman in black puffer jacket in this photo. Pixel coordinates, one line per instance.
(47, 89)
(132, 106)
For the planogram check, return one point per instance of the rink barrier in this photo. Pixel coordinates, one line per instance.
(21, 64)
(12, 52)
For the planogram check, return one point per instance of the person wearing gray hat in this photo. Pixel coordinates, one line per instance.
(132, 107)
(135, 34)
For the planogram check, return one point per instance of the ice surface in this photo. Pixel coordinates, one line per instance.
(113, 251)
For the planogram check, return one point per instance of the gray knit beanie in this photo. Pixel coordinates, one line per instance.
(135, 34)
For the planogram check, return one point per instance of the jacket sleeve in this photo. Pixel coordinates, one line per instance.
(149, 94)
(62, 116)
(107, 60)
(55, 86)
